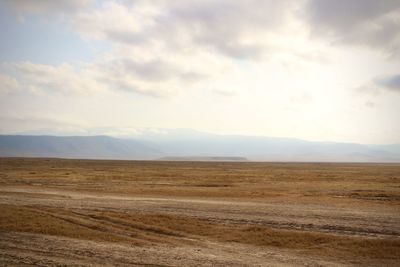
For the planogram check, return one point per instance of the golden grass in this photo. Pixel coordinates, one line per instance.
(30, 220)
(142, 229)
(347, 185)
(151, 228)
(309, 242)
(308, 182)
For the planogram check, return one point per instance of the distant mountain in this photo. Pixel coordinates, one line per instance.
(189, 143)
(238, 159)
(193, 145)
(91, 147)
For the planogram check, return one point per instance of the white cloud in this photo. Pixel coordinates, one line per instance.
(369, 23)
(64, 78)
(154, 78)
(159, 48)
(381, 85)
(47, 6)
(8, 84)
(237, 29)
(259, 52)
(223, 92)
(41, 124)
(389, 82)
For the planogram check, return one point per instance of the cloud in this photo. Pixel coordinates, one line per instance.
(152, 78)
(302, 98)
(161, 47)
(241, 29)
(230, 27)
(8, 84)
(370, 104)
(381, 84)
(237, 29)
(41, 124)
(369, 23)
(223, 92)
(47, 6)
(63, 78)
(144, 58)
(153, 70)
(390, 82)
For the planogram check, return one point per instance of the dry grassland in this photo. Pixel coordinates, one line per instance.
(143, 213)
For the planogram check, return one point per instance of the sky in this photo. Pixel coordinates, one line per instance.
(317, 70)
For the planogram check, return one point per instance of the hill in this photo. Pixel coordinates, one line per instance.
(194, 146)
(91, 147)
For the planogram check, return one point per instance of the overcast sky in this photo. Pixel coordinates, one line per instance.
(315, 70)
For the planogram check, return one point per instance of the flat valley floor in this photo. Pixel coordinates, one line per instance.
(150, 213)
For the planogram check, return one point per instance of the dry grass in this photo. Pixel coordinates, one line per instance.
(313, 243)
(347, 186)
(148, 229)
(31, 220)
(299, 182)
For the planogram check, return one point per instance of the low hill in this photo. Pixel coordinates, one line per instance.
(239, 159)
(92, 147)
(194, 146)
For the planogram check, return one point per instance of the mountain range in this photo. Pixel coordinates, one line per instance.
(193, 145)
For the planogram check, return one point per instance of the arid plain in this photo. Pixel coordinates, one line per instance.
(155, 213)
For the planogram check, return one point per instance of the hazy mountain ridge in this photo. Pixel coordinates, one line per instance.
(188, 158)
(93, 147)
(193, 145)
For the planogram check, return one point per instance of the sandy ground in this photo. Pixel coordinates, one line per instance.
(316, 217)
(169, 239)
(53, 251)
